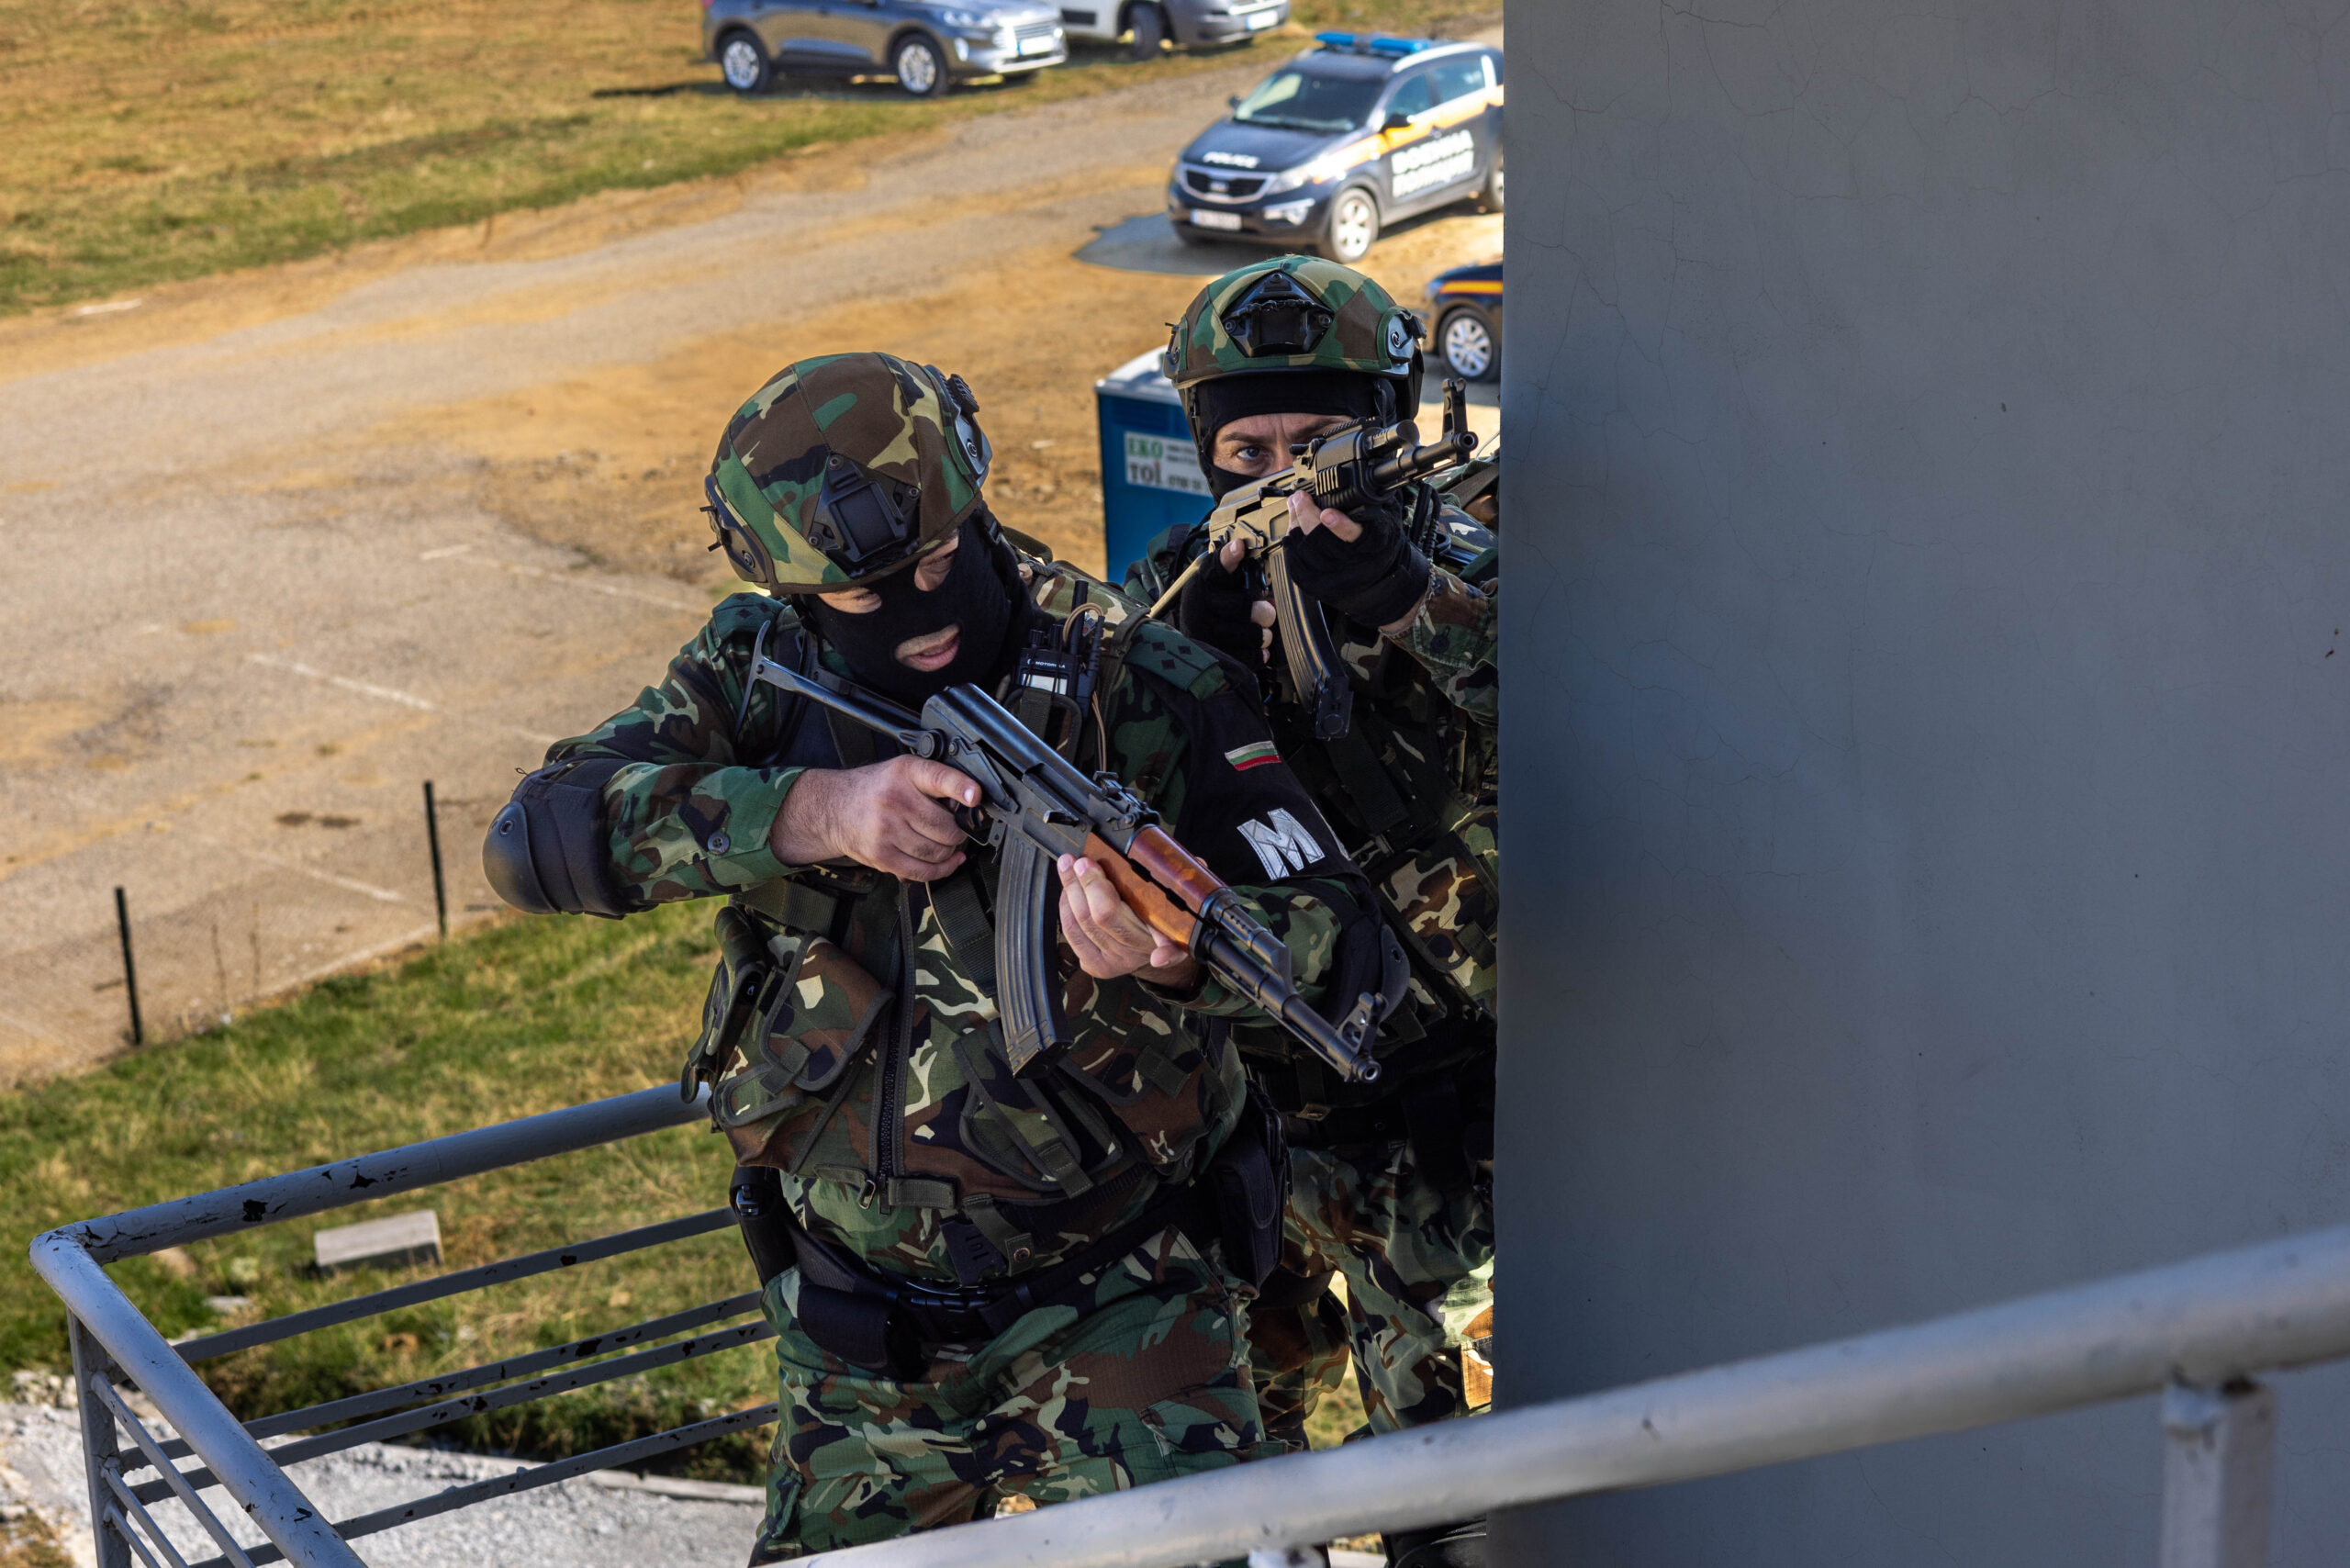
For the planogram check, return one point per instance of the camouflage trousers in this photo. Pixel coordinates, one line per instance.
(1416, 1264)
(1146, 1381)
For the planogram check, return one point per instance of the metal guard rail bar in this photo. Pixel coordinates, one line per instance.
(111, 1337)
(2199, 1327)
(2202, 1325)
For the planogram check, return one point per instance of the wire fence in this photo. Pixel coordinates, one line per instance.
(190, 931)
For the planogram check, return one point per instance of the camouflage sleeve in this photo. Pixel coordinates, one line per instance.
(688, 817)
(1455, 636)
(1201, 753)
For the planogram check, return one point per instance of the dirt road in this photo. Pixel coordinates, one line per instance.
(281, 547)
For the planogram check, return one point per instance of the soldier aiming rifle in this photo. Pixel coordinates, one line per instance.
(990, 1272)
(1281, 366)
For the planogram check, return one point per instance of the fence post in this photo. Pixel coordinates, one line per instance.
(432, 838)
(99, 1441)
(2219, 1460)
(130, 967)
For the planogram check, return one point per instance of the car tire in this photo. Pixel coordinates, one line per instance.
(744, 64)
(1353, 228)
(1489, 199)
(919, 66)
(1465, 341)
(1150, 31)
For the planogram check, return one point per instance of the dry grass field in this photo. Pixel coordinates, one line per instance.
(170, 138)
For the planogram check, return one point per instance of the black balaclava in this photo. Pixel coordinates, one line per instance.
(974, 597)
(1215, 404)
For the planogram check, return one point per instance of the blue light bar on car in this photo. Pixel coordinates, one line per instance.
(1373, 43)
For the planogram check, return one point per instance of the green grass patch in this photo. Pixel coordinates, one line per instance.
(160, 141)
(528, 1017)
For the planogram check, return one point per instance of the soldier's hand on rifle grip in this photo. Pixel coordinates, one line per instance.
(1218, 607)
(1366, 566)
(1110, 939)
(887, 817)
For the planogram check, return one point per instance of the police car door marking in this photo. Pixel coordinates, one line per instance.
(1283, 847)
(1439, 162)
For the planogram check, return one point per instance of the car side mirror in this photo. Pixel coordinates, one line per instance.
(1397, 122)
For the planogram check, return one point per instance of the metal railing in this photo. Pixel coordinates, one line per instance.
(2196, 1331)
(112, 1343)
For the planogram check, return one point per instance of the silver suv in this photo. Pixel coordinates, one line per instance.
(927, 45)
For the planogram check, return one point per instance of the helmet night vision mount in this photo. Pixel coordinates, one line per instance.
(1276, 317)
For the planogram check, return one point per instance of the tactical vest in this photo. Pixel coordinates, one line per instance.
(828, 1066)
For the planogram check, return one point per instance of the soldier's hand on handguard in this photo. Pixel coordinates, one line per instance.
(1216, 607)
(1109, 938)
(1364, 566)
(887, 817)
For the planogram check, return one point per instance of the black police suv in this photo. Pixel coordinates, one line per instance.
(1465, 303)
(1343, 139)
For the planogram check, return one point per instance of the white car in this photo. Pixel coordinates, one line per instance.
(1154, 23)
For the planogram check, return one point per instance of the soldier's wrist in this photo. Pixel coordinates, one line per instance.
(802, 833)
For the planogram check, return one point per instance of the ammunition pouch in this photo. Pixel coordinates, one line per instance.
(1249, 1179)
(893, 1325)
(547, 850)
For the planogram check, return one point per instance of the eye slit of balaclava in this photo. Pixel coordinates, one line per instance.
(973, 597)
(1217, 403)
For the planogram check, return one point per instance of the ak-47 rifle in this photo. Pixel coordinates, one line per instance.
(1035, 807)
(1348, 467)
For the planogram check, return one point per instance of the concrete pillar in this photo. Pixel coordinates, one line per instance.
(1927, 719)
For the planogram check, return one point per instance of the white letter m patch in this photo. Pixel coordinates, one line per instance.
(1285, 847)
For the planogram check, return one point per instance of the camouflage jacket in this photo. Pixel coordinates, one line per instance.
(903, 1137)
(1412, 789)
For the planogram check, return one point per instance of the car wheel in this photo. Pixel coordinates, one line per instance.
(1353, 228)
(1490, 198)
(1150, 31)
(1465, 339)
(921, 69)
(745, 64)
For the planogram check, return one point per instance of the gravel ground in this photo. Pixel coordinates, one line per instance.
(607, 1520)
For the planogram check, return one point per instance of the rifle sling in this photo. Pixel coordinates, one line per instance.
(970, 935)
(1362, 778)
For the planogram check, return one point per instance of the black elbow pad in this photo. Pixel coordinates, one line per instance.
(545, 850)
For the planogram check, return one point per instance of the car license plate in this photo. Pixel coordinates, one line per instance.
(1037, 46)
(1202, 218)
(1263, 19)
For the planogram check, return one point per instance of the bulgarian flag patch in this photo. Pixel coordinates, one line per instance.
(1244, 758)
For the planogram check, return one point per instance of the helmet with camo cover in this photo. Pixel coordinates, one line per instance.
(1295, 313)
(843, 469)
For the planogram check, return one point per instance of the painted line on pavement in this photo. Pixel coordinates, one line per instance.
(567, 579)
(390, 694)
(350, 884)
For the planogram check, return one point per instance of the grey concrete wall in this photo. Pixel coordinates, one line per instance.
(1928, 713)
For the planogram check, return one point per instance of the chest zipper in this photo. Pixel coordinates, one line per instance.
(889, 1116)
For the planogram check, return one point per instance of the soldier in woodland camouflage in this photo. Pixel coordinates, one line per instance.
(1391, 1182)
(987, 1283)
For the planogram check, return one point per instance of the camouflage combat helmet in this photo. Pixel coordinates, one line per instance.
(1290, 313)
(843, 469)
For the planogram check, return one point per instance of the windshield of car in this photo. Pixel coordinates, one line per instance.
(1299, 100)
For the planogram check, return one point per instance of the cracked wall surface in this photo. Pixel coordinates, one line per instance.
(1927, 717)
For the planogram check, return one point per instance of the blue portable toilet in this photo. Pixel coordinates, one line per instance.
(1150, 472)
